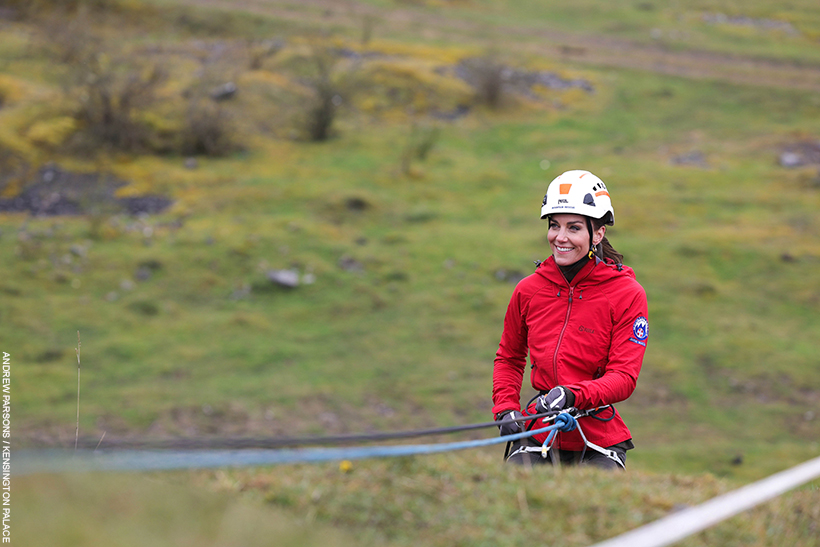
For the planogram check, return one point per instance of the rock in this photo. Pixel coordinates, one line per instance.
(459, 112)
(152, 264)
(790, 160)
(78, 250)
(223, 92)
(54, 191)
(143, 274)
(350, 264)
(148, 204)
(356, 204)
(284, 278)
(191, 163)
(694, 158)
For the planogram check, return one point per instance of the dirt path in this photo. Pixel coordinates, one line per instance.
(568, 46)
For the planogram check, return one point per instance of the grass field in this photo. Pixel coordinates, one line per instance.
(406, 227)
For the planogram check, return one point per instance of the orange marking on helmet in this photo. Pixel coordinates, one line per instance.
(602, 193)
(564, 188)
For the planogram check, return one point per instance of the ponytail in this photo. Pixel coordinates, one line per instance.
(607, 250)
(610, 252)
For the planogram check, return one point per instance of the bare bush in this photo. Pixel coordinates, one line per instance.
(322, 111)
(321, 108)
(110, 100)
(329, 85)
(208, 130)
(488, 76)
(14, 168)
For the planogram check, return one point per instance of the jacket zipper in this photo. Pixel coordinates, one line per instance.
(561, 336)
(558, 347)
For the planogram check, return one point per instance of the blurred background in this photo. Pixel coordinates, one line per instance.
(305, 217)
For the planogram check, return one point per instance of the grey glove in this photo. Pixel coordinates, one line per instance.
(509, 428)
(558, 398)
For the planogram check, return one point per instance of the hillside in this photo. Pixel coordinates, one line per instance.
(163, 163)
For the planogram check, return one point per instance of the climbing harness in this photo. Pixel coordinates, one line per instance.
(568, 421)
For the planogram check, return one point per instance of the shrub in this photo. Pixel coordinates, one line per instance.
(321, 108)
(111, 96)
(328, 85)
(208, 130)
(488, 76)
(14, 169)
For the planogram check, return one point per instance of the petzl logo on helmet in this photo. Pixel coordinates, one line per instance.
(641, 328)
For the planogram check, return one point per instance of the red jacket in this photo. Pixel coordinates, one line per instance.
(589, 336)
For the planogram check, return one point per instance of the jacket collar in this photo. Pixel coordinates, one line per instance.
(596, 271)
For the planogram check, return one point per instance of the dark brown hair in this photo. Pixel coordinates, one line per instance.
(607, 249)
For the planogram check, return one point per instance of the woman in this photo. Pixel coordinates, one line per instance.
(582, 318)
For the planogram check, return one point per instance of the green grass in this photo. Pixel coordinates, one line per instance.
(132, 510)
(207, 346)
(679, 25)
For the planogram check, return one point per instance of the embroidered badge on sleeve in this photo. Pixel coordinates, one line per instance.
(640, 331)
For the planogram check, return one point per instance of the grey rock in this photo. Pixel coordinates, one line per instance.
(790, 160)
(284, 278)
(350, 264)
(694, 158)
(224, 92)
(143, 274)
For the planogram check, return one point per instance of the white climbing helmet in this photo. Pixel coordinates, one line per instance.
(581, 193)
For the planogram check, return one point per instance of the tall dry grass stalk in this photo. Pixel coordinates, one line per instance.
(77, 431)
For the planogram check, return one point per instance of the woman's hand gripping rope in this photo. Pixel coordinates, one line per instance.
(567, 420)
(563, 422)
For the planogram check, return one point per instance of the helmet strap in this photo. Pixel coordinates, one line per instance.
(592, 249)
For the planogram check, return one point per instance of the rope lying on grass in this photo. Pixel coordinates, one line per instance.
(56, 461)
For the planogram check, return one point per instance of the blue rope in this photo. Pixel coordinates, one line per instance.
(56, 461)
(563, 422)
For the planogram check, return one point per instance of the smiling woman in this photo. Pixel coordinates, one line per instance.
(582, 318)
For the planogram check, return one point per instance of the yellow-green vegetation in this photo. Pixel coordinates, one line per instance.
(468, 499)
(360, 149)
(465, 498)
(124, 511)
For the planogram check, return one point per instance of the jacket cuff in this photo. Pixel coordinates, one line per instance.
(570, 396)
(499, 412)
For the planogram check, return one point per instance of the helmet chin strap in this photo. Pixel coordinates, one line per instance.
(592, 248)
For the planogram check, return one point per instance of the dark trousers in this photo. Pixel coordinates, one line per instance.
(567, 457)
